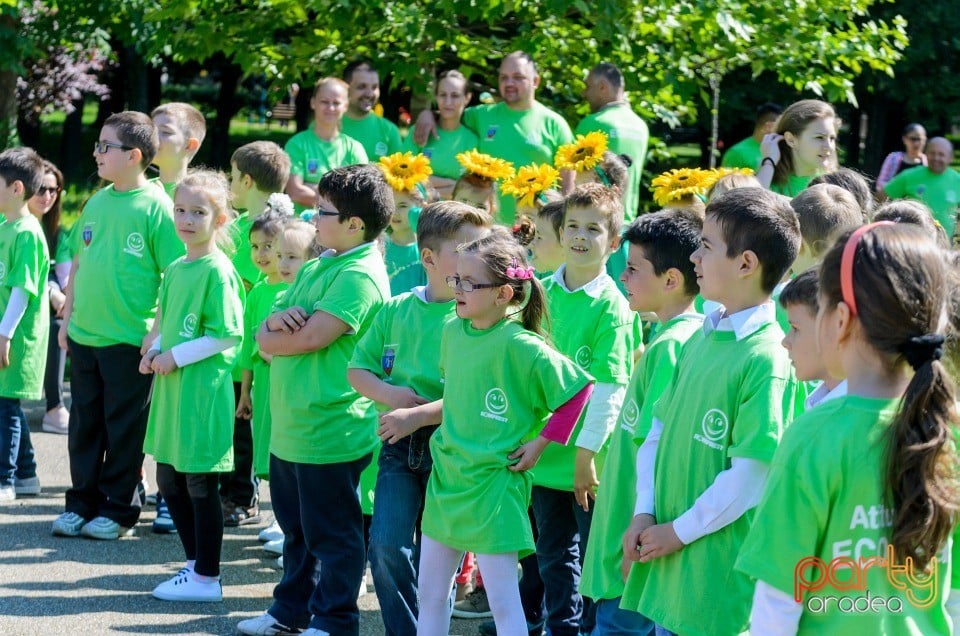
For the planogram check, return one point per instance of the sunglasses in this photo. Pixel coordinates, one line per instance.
(48, 190)
(466, 286)
(103, 147)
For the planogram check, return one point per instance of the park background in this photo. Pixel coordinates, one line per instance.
(694, 69)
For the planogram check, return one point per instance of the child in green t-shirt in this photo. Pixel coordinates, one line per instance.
(396, 365)
(591, 323)
(660, 283)
(501, 380)
(799, 300)
(407, 175)
(853, 532)
(181, 129)
(122, 242)
(190, 430)
(296, 244)
(323, 432)
(545, 249)
(25, 322)
(701, 469)
(824, 211)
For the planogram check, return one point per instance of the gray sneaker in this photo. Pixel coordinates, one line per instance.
(68, 525)
(104, 529)
(28, 486)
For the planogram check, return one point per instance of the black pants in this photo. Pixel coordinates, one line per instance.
(241, 486)
(56, 360)
(108, 421)
(194, 505)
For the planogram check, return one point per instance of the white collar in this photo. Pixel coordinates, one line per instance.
(593, 289)
(821, 394)
(743, 323)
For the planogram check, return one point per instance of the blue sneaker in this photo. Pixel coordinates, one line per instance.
(104, 529)
(163, 524)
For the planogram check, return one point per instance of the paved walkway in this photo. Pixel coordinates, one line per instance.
(54, 585)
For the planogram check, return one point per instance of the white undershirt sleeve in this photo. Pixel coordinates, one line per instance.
(774, 613)
(601, 415)
(62, 272)
(732, 493)
(953, 608)
(646, 456)
(13, 314)
(201, 348)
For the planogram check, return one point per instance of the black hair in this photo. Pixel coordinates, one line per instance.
(23, 165)
(610, 73)
(667, 239)
(136, 130)
(360, 191)
(802, 290)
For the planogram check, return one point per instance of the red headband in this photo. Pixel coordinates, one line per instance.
(846, 263)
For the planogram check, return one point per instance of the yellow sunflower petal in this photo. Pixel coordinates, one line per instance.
(583, 154)
(530, 181)
(404, 170)
(483, 165)
(673, 185)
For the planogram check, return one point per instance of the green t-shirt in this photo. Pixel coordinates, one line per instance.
(317, 416)
(939, 192)
(594, 327)
(25, 263)
(312, 157)
(443, 152)
(402, 348)
(740, 412)
(627, 134)
(794, 186)
(240, 233)
(825, 499)
(378, 136)
(123, 241)
(500, 384)
(260, 302)
(743, 154)
(521, 137)
(617, 493)
(403, 266)
(191, 413)
(64, 252)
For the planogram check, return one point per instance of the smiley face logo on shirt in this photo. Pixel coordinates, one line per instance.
(3, 271)
(496, 401)
(630, 414)
(583, 356)
(380, 149)
(189, 326)
(715, 425)
(135, 244)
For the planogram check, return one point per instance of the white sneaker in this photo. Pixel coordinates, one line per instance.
(185, 587)
(313, 631)
(8, 493)
(271, 532)
(274, 547)
(28, 486)
(265, 625)
(280, 562)
(105, 529)
(56, 421)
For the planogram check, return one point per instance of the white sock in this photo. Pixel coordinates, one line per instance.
(199, 578)
(191, 564)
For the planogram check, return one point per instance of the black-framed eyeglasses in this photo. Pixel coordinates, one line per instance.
(321, 212)
(467, 286)
(48, 190)
(103, 147)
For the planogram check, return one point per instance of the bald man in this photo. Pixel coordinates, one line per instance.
(936, 184)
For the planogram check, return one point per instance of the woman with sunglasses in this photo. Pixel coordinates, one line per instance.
(46, 206)
(914, 140)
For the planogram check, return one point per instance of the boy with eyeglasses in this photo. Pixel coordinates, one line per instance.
(123, 240)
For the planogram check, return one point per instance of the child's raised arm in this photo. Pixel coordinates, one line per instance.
(318, 331)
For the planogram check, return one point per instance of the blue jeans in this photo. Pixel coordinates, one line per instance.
(563, 528)
(612, 620)
(318, 509)
(663, 631)
(404, 469)
(16, 451)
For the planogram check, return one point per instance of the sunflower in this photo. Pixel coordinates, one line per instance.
(530, 181)
(583, 154)
(673, 185)
(722, 172)
(404, 170)
(485, 166)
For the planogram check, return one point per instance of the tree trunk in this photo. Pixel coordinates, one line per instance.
(73, 157)
(8, 109)
(304, 114)
(29, 132)
(135, 78)
(227, 107)
(714, 118)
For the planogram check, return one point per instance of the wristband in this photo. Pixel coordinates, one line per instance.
(773, 163)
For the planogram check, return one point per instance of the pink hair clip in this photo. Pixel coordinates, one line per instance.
(518, 272)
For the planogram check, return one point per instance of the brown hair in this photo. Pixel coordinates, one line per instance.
(187, 117)
(442, 220)
(136, 130)
(51, 220)
(615, 167)
(824, 211)
(23, 165)
(266, 163)
(478, 184)
(302, 235)
(914, 213)
(216, 187)
(802, 290)
(599, 197)
(854, 183)
(762, 222)
(795, 120)
(499, 250)
(553, 212)
(900, 285)
(732, 181)
(323, 81)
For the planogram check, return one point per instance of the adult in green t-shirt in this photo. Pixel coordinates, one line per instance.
(746, 152)
(452, 138)
(322, 147)
(936, 184)
(519, 129)
(626, 132)
(378, 135)
(803, 146)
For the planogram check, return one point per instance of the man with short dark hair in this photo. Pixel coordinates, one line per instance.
(378, 135)
(746, 153)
